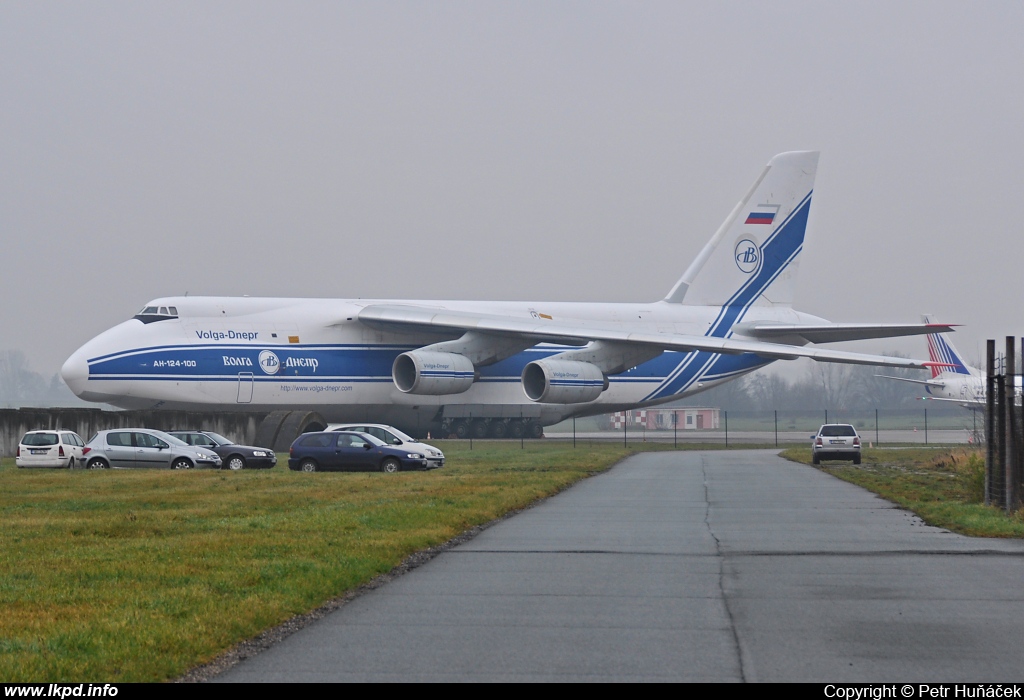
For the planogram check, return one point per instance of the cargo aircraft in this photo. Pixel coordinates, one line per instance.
(489, 368)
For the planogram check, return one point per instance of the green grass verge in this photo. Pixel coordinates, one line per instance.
(142, 575)
(945, 486)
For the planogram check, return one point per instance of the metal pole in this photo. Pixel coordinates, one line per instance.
(471, 430)
(990, 417)
(522, 431)
(1001, 439)
(926, 426)
(675, 429)
(726, 428)
(1011, 425)
(625, 426)
(826, 415)
(776, 427)
(574, 432)
(876, 428)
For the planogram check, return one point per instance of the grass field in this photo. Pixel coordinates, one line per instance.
(141, 575)
(943, 486)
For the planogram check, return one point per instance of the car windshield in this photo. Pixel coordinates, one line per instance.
(219, 439)
(838, 431)
(402, 436)
(173, 440)
(39, 439)
(370, 438)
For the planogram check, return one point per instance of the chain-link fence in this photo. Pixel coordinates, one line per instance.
(712, 425)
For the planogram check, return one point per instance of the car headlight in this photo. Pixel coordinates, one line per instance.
(259, 453)
(413, 455)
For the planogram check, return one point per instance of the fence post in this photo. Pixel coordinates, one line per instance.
(990, 417)
(726, 428)
(926, 426)
(877, 442)
(1009, 367)
(776, 427)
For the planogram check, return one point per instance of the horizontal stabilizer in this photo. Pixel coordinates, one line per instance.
(927, 382)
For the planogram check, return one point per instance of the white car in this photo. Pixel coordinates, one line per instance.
(395, 438)
(54, 449)
(835, 441)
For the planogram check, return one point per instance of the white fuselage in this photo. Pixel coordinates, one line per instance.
(263, 354)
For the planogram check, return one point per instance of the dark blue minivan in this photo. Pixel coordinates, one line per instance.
(348, 451)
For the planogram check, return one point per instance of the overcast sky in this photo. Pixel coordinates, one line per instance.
(500, 150)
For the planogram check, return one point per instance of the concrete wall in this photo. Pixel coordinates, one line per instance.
(15, 422)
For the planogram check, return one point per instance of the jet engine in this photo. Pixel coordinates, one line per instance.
(563, 381)
(423, 372)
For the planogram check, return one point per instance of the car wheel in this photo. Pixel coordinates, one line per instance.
(308, 465)
(856, 460)
(235, 463)
(97, 464)
(390, 465)
(71, 463)
(181, 463)
(815, 459)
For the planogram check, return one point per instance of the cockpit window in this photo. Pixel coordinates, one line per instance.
(150, 314)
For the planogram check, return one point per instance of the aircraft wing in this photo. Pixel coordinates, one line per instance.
(419, 318)
(838, 332)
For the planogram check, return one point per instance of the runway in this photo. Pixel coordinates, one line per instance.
(685, 566)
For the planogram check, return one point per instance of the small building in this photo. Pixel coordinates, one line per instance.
(665, 419)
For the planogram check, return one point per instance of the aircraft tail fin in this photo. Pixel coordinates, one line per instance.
(753, 256)
(941, 350)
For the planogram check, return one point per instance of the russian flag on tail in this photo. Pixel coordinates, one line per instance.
(764, 214)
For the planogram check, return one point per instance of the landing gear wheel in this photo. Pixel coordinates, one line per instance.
(479, 429)
(307, 465)
(536, 430)
(390, 466)
(516, 429)
(235, 463)
(498, 429)
(461, 429)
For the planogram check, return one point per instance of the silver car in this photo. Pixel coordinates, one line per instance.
(393, 437)
(141, 448)
(836, 441)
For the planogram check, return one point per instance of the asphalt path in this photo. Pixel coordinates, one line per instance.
(685, 566)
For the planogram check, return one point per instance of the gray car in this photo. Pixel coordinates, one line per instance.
(142, 448)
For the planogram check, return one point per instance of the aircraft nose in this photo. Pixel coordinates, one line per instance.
(75, 373)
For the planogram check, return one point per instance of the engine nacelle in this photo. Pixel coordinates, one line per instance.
(563, 381)
(434, 373)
